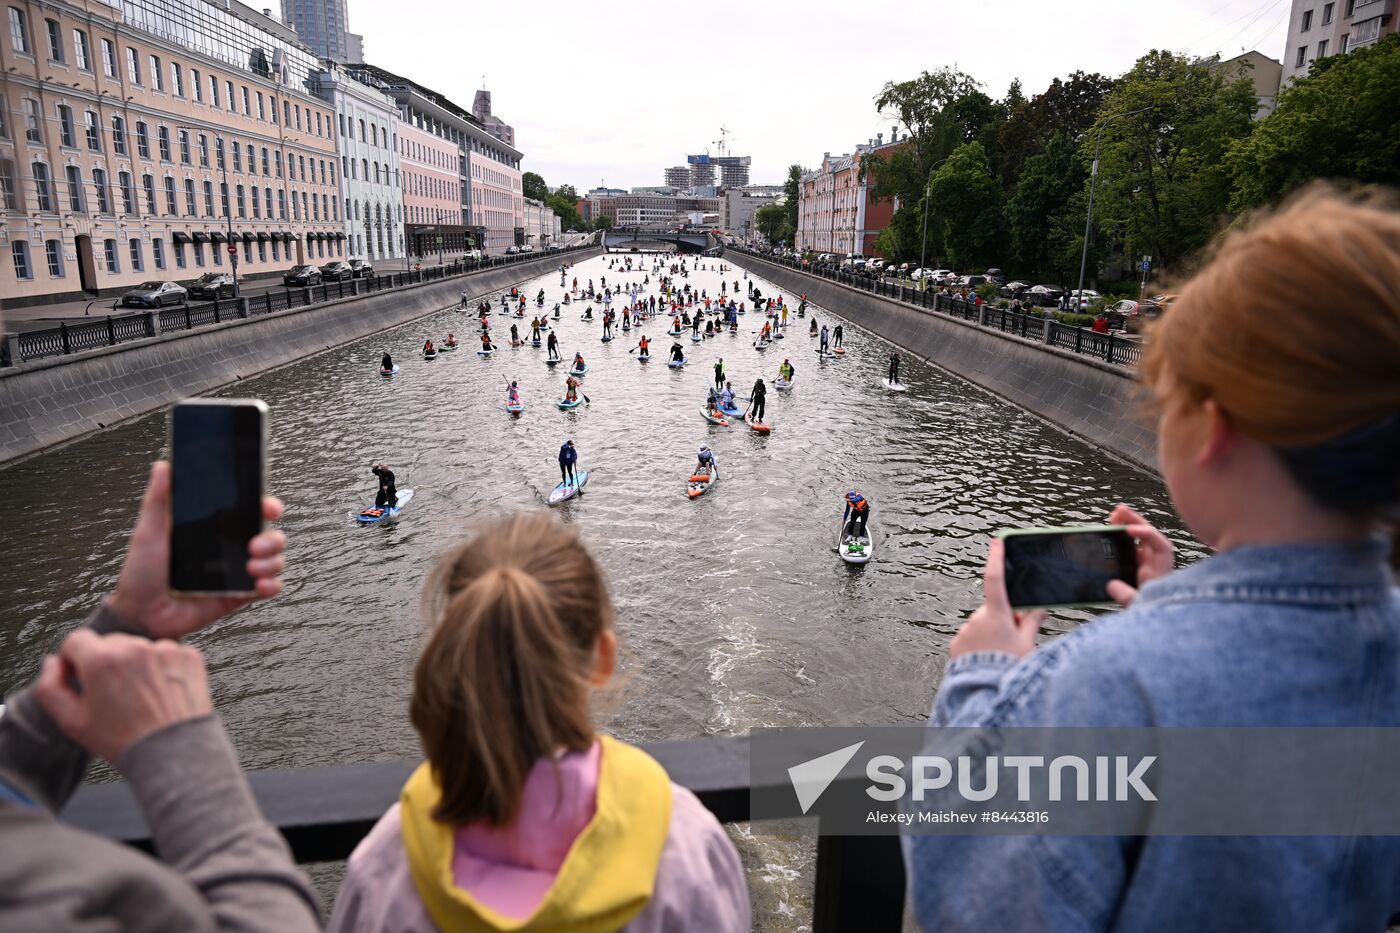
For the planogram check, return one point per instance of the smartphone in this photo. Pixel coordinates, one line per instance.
(1067, 566)
(217, 458)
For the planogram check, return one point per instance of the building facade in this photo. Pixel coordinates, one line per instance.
(367, 136)
(1259, 70)
(432, 197)
(324, 25)
(741, 203)
(542, 227)
(831, 206)
(481, 109)
(144, 142)
(1318, 28)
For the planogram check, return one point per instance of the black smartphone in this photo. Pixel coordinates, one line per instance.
(1067, 566)
(217, 458)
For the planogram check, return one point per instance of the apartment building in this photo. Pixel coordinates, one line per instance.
(367, 123)
(1318, 28)
(431, 193)
(158, 140)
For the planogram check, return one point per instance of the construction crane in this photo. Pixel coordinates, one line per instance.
(722, 143)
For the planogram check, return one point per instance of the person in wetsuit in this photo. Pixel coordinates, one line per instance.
(837, 334)
(568, 456)
(759, 396)
(894, 369)
(719, 373)
(553, 346)
(677, 354)
(386, 363)
(388, 495)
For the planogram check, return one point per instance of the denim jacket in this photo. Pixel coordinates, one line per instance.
(1305, 635)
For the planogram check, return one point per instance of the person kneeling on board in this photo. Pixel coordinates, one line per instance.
(386, 363)
(812, 331)
(451, 341)
(856, 515)
(513, 395)
(486, 342)
(428, 347)
(786, 371)
(571, 389)
(645, 346)
(894, 369)
(677, 354)
(707, 464)
(388, 495)
(726, 396)
(568, 456)
(578, 361)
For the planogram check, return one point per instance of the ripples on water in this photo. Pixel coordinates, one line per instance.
(735, 609)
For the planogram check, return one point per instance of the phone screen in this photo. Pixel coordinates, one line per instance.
(216, 498)
(1062, 568)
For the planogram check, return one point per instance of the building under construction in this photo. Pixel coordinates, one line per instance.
(700, 172)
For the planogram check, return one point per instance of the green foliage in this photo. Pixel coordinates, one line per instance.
(791, 191)
(602, 223)
(968, 206)
(1163, 186)
(1341, 121)
(772, 223)
(1045, 224)
(533, 186)
(1070, 319)
(1066, 109)
(988, 291)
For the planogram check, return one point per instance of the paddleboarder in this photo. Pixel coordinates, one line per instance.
(719, 373)
(644, 345)
(553, 346)
(677, 354)
(579, 364)
(838, 334)
(568, 456)
(894, 369)
(513, 394)
(786, 371)
(726, 396)
(812, 331)
(571, 389)
(486, 342)
(822, 341)
(856, 515)
(758, 400)
(386, 362)
(388, 494)
(707, 462)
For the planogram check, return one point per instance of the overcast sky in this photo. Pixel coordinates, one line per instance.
(614, 92)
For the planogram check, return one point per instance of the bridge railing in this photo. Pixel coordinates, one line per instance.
(324, 812)
(109, 330)
(1109, 347)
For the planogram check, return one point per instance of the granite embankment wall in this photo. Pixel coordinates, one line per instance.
(1086, 397)
(48, 401)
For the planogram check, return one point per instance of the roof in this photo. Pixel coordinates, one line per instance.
(361, 70)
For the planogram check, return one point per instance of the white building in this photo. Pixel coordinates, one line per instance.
(369, 160)
(542, 227)
(1318, 28)
(740, 205)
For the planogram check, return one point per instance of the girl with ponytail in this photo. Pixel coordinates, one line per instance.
(523, 817)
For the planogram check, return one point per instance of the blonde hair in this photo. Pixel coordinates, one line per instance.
(1293, 330)
(516, 612)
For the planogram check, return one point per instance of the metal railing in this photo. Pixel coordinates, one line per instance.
(1108, 347)
(112, 329)
(324, 812)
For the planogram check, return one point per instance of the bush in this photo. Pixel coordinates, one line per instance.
(1003, 303)
(988, 290)
(1070, 319)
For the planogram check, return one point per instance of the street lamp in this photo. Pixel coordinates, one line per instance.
(1089, 214)
(928, 189)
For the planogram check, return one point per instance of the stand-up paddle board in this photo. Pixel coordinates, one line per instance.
(431, 355)
(568, 405)
(563, 493)
(701, 483)
(733, 411)
(696, 338)
(485, 352)
(552, 362)
(760, 346)
(855, 550)
(515, 408)
(839, 350)
(758, 426)
(714, 419)
(782, 385)
(448, 347)
(579, 372)
(893, 386)
(389, 372)
(677, 364)
(376, 514)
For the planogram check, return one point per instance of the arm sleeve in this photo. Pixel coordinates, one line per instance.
(207, 827)
(36, 758)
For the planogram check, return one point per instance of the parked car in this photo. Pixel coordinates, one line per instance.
(918, 275)
(155, 295)
(512, 250)
(301, 276)
(995, 275)
(875, 265)
(971, 281)
(337, 271)
(1126, 306)
(212, 285)
(1085, 298)
(361, 268)
(943, 277)
(1014, 290)
(1044, 295)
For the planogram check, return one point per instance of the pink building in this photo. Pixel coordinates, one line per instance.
(432, 193)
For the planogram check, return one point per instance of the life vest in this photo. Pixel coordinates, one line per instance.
(860, 504)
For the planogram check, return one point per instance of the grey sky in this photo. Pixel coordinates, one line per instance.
(615, 92)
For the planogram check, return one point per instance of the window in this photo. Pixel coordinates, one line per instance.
(266, 165)
(133, 65)
(223, 198)
(364, 169)
(214, 90)
(99, 188)
(282, 205)
(55, 33)
(19, 30)
(179, 255)
(163, 136)
(362, 131)
(143, 140)
(157, 76)
(257, 203)
(53, 253)
(216, 254)
(74, 175)
(135, 246)
(82, 53)
(109, 58)
(1327, 13)
(191, 205)
(1351, 7)
(1322, 49)
(262, 113)
(297, 111)
(209, 199)
(1342, 44)
(1302, 57)
(219, 151)
(93, 131)
(242, 210)
(196, 86)
(237, 156)
(247, 105)
(286, 113)
(177, 80)
(9, 194)
(203, 150)
(158, 252)
(277, 161)
(128, 192)
(267, 199)
(262, 251)
(19, 251)
(43, 193)
(109, 252)
(33, 126)
(172, 203)
(118, 135)
(199, 255)
(1366, 32)
(1307, 21)
(65, 126)
(247, 251)
(275, 250)
(148, 185)
(232, 103)
(272, 106)
(319, 131)
(184, 138)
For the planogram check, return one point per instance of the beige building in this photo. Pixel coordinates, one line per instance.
(1261, 71)
(134, 141)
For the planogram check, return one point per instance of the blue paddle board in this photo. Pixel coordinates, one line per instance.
(563, 493)
(372, 514)
(389, 372)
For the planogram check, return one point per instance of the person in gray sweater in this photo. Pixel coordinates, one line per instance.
(124, 688)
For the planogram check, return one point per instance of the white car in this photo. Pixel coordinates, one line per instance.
(918, 275)
(1086, 297)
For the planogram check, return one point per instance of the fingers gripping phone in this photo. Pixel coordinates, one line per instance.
(1067, 566)
(217, 456)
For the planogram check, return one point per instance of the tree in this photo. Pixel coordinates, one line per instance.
(771, 221)
(533, 186)
(792, 190)
(1341, 121)
(933, 110)
(1038, 215)
(1067, 108)
(602, 223)
(966, 199)
(1163, 186)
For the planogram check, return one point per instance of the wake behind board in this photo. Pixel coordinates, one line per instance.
(563, 493)
(375, 514)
